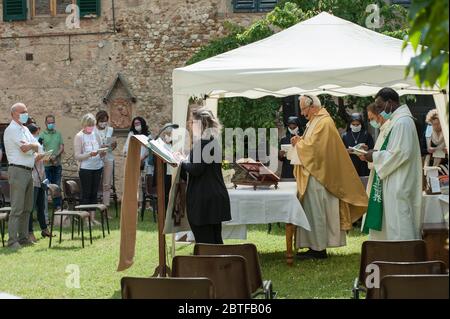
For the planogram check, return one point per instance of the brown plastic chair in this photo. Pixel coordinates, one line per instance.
(405, 268)
(395, 251)
(250, 253)
(414, 287)
(228, 273)
(167, 288)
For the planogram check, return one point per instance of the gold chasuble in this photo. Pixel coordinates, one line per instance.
(323, 155)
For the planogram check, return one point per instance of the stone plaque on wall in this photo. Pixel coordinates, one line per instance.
(121, 113)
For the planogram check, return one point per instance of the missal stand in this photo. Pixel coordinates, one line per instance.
(162, 155)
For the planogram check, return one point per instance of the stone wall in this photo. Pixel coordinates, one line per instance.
(72, 70)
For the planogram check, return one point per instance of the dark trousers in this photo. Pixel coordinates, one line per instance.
(39, 207)
(90, 181)
(208, 234)
(53, 174)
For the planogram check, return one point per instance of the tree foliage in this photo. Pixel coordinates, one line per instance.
(429, 36)
(243, 112)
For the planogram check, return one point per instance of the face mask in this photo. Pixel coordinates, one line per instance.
(51, 126)
(23, 118)
(375, 124)
(355, 128)
(103, 124)
(138, 128)
(89, 129)
(385, 114)
(293, 131)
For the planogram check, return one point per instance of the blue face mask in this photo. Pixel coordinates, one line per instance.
(51, 126)
(23, 118)
(385, 114)
(375, 124)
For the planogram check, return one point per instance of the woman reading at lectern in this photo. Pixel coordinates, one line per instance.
(207, 200)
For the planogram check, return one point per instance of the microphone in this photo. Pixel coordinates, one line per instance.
(169, 125)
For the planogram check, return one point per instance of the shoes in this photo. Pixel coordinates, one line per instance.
(15, 246)
(313, 254)
(27, 242)
(46, 233)
(32, 238)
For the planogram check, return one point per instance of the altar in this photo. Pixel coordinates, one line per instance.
(265, 206)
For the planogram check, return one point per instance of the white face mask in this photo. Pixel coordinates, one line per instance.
(138, 128)
(355, 128)
(293, 131)
(102, 124)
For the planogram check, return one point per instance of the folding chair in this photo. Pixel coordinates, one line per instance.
(250, 253)
(414, 287)
(396, 251)
(404, 268)
(167, 288)
(228, 273)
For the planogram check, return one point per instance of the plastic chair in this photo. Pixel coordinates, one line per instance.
(405, 268)
(250, 253)
(395, 251)
(228, 273)
(414, 287)
(167, 288)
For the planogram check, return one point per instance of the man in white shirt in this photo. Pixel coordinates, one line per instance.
(20, 147)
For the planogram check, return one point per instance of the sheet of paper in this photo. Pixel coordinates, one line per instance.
(439, 154)
(435, 185)
(293, 156)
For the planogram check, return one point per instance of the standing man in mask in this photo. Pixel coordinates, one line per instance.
(396, 193)
(52, 141)
(20, 147)
(357, 134)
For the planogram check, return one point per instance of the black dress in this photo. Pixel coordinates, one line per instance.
(351, 139)
(207, 200)
(287, 170)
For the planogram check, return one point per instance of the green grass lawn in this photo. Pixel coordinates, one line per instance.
(40, 272)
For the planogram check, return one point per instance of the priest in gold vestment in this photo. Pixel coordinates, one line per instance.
(329, 188)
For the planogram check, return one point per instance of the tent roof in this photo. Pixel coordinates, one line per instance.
(324, 54)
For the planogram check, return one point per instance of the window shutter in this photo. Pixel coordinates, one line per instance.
(14, 10)
(89, 7)
(267, 5)
(245, 5)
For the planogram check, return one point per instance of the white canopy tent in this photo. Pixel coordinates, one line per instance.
(322, 55)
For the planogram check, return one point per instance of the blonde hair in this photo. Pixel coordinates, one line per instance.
(208, 121)
(432, 115)
(88, 120)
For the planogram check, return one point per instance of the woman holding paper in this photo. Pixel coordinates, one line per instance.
(435, 140)
(87, 151)
(207, 200)
(104, 133)
(39, 193)
(357, 134)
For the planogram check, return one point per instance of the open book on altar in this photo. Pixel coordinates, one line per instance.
(159, 148)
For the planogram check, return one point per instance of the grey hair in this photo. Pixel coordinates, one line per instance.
(311, 100)
(209, 122)
(88, 120)
(15, 106)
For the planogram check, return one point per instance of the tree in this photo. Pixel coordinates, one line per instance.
(429, 36)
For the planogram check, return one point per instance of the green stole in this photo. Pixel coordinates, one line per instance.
(374, 216)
